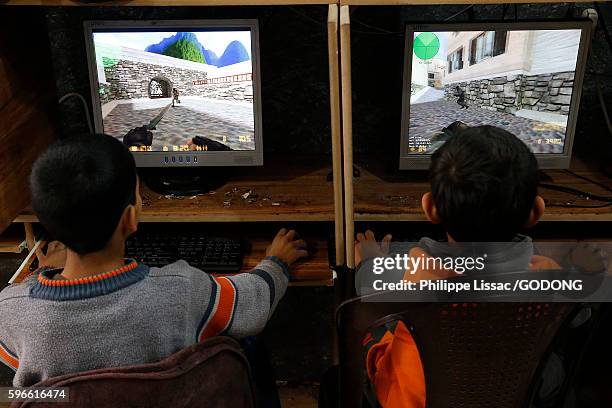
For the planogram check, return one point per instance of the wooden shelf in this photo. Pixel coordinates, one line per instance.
(438, 2)
(380, 196)
(313, 271)
(285, 189)
(159, 3)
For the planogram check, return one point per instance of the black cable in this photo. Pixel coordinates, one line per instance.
(459, 12)
(516, 12)
(602, 103)
(385, 31)
(569, 205)
(569, 13)
(396, 34)
(379, 30)
(590, 180)
(598, 74)
(85, 107)
(574, 191)
(306, 16)
(382, 30)
(603, 25)
(505, 10)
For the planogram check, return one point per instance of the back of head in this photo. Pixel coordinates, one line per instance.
(484, 184)
(80, 189)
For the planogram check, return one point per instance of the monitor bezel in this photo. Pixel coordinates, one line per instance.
(208, 158)
(420, 161)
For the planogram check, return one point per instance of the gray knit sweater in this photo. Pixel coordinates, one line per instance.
(133, 315)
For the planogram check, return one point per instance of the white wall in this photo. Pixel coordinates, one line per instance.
(131, 54)
(245, 67)
(554, 51)
(514, 61)
(419, 71)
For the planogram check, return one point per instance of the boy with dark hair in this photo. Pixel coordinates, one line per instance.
(484, 186)
(101, 310)
(483, 189)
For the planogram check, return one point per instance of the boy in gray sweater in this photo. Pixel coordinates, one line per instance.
(101, 310)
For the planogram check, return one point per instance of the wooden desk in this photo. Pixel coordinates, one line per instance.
(315, 270)
(284, 190)
(381, 196)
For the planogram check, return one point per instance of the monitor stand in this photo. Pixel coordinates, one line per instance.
(186, 182)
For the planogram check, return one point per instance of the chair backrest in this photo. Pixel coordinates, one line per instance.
(214, 373)
(473, 354)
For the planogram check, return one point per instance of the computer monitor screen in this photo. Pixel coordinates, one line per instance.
(522, 77)
(178, 89)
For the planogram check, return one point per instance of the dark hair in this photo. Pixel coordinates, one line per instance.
(484, 183)
(80, 188)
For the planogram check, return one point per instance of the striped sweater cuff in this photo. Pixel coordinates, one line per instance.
(280, 263)
(8, 357)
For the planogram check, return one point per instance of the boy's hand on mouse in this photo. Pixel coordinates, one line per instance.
(286, 247)
(366, 246)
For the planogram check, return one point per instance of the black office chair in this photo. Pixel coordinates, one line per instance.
(473, 354)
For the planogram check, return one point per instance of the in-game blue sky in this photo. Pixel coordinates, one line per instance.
(215, 41)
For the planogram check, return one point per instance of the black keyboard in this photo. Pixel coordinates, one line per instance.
(210, 254)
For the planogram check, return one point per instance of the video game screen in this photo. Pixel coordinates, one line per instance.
(519, 80)
(177, 91)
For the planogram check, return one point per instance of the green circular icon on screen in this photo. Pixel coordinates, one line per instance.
(426, 45)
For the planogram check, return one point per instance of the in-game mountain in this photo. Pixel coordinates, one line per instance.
(186, 46)
(233, 54)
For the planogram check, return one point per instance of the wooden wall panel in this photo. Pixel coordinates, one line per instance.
(27, 100)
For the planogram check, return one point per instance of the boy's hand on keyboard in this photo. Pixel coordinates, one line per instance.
(366, 246)
(286, 247)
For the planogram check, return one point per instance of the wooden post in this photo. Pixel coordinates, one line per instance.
(334, 102)
(347, 132)
(29, 233)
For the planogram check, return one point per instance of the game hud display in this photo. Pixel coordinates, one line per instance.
(519, 80)
(177, 91)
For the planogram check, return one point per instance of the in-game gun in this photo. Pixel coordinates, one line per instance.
(142, 135)
(440, 138)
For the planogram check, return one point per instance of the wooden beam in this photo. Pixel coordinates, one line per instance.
(347, 132)
(334, 101)
(158, 3)
(445, 2)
